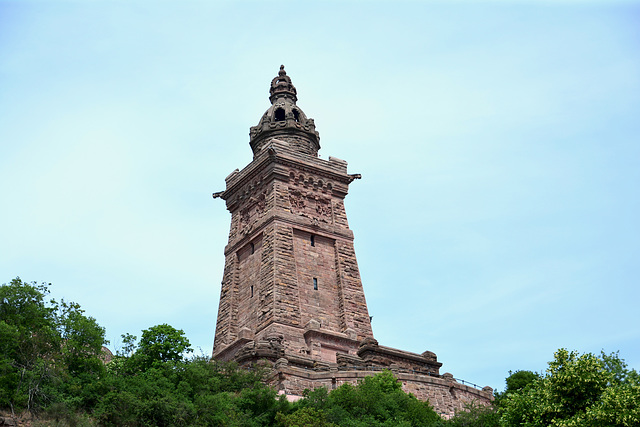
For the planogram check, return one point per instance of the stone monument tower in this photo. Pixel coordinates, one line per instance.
(291, 275)
(291, 293)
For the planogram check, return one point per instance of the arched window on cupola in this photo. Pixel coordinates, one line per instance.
(279, 115)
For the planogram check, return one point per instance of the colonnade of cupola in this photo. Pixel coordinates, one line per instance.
(285, 121)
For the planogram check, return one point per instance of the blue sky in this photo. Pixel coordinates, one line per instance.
(499, 142)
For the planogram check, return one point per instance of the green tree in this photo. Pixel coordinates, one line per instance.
(190, 392)
(49, 361)
(46, 347)
(518, 380)
(577, 390)
(82, 339)
(159, 344)
(475, 416)
(377, 400)
(618, 406)
(28, 343)
(304, 417)
(618, 368)
(515, 383)
(129, 345)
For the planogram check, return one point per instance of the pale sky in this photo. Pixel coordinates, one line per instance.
(497, 219)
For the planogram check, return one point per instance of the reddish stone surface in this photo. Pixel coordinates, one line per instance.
(291, 292)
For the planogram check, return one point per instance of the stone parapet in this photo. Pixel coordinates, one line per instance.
(371, 352)
(445, 395)
(292, 373)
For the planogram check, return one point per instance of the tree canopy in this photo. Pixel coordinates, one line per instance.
(43, 343)
(375, 401)
(576, 390)
(50, 365)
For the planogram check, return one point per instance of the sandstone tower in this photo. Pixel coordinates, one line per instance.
(291, 292)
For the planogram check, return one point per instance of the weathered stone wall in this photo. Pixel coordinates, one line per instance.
(285, 281)
(290, 258)
(317, 280)
(225, 327)
(445, 395)
(356, 314)
(249, 289)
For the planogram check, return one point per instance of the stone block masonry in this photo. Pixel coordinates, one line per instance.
(291, 294)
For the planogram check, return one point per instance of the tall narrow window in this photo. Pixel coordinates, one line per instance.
(313, 240)
(251, 291)
(315, 284)
(253, 248)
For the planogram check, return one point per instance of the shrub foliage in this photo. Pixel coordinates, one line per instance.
(51, 365)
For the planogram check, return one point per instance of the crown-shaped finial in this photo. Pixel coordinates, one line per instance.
(281, 86)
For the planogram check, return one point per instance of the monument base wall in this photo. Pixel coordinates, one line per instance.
(419, 374)
(445, 394)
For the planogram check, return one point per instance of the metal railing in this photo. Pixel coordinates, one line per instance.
(469, 383)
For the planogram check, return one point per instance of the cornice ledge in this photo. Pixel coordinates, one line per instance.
(238, 179)
(317, 166)
(280, 153)
(229, 351)
(323, 333)
(394, 352)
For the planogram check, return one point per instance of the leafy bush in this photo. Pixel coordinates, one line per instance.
(377, 400)
(44, 346)
(577, 390)
(50, 364)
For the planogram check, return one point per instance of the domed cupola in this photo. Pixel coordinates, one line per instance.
(285, 121)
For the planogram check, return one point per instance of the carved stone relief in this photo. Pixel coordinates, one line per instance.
(323, 208)
(252, 201)
(310, 197)
(298, 201)
(310, 205)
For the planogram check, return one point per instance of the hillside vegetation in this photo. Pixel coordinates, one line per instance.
(52, 366)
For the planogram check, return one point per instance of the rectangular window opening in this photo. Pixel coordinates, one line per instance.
(313, 240)
(315, 284)
(251, 291)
